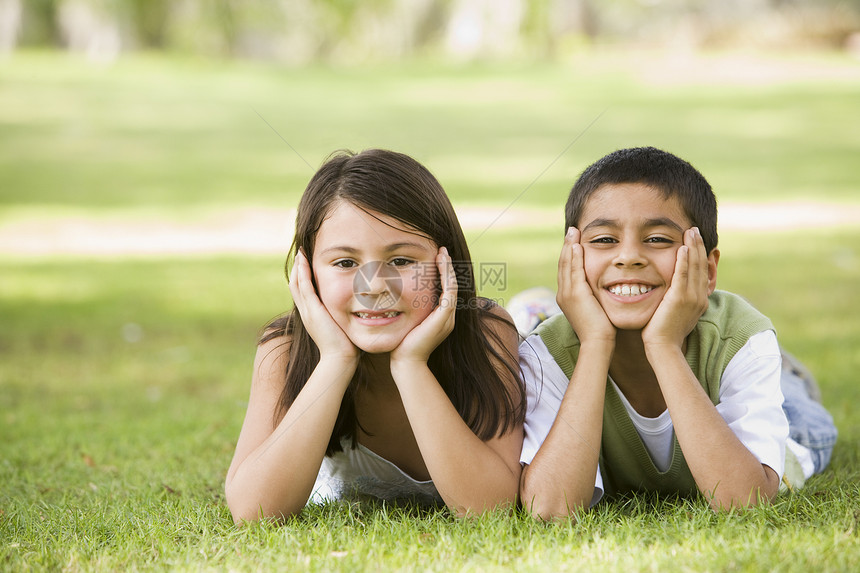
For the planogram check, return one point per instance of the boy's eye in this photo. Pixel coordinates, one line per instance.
(665, 240)
(602, 240)
(345, 264)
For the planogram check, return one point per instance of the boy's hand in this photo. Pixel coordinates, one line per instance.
(424, 338)
(687, 297)
(330, 338)
(575, 297)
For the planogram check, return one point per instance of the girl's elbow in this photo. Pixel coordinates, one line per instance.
(245, 508)
(241, 511)
(249, 513)
(480, 505)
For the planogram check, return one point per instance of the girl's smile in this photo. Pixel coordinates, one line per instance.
(377, 280)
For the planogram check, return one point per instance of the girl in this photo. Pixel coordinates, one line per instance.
(390, 378)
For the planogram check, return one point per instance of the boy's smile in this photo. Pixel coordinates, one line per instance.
(630, 234)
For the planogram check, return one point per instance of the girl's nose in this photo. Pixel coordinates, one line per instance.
(377, 286)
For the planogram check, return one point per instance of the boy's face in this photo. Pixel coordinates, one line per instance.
(630, 236)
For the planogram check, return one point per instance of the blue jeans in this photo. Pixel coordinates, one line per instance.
(809, 423)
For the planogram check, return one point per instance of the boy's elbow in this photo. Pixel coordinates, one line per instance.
(743, 498)
(543, 498)
(546, 507)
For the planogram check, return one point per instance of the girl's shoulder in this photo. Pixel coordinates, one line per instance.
(273, 348)
(494, 318)
(489, 309)
(279, 327)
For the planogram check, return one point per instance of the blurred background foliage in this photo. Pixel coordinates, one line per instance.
(301, 31)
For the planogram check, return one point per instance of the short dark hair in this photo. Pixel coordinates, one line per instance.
(658, 169)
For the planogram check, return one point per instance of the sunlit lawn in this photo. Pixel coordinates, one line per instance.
(123, 380)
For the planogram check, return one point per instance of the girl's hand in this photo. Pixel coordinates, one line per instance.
(330, 338)
(424, 338)
(687, 298)
(575, 297)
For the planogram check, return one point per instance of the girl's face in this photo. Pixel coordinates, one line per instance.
(377, 280)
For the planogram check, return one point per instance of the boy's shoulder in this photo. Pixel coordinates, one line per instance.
(729, 322)
(729, 313)
(721, 332)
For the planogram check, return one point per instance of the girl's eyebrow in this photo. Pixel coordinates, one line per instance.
(388, 248)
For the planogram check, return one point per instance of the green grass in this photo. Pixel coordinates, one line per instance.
(123, 380)
(115, 446)
(181, 134)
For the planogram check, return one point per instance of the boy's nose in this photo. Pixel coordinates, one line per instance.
(629, 255)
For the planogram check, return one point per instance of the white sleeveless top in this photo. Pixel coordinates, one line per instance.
(358, 473)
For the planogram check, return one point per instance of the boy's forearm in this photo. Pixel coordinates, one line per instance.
(726, 472)
(560, 479)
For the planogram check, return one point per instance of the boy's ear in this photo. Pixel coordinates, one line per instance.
(713, 259)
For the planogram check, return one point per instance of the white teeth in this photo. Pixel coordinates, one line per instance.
(367, 315)
(629, 290)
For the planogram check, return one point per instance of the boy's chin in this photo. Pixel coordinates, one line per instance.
(629, 325)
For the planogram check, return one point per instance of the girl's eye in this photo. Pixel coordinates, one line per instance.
(401, 262)
(346, 264)
(665, 240)
(602, 240)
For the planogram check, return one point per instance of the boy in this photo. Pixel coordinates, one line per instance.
(650, 379)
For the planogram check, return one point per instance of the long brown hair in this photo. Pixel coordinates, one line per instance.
(466, 362)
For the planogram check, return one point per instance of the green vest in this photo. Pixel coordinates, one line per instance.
(625, 464)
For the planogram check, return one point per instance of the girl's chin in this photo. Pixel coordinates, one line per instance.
(380, 345)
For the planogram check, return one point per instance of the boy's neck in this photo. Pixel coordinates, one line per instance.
(634, 376)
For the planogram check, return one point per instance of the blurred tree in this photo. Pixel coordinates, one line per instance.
(301, 31)
(149, 18)
(10, 24)
(39, 24)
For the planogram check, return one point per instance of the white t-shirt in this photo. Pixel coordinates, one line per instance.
(750, 403)
(360, 473)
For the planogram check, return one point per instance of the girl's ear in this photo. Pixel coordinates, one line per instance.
(713, 259)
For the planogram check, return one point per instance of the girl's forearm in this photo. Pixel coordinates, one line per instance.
(470, 475)
(726, 472)
(276, 478)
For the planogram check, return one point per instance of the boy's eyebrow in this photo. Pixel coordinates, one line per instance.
(601, 223)
(663, 222)
(648, 224)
